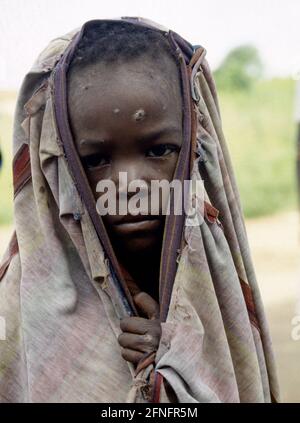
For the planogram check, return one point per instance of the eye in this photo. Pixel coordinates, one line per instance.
(95, 160)
(162, 150)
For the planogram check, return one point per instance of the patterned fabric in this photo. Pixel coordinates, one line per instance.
(59, 298)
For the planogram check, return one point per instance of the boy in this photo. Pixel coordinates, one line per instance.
(124, 307)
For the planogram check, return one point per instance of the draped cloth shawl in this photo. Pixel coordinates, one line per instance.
(62, 291)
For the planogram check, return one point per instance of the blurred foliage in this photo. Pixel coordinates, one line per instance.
(240, 69)
(7, 102)
(261, 135)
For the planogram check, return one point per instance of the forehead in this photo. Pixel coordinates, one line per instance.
(109, 95)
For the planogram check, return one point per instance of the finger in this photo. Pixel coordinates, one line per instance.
(131, 355)
(137, 325)
(143, 343)
(132, 286)
(147, 305)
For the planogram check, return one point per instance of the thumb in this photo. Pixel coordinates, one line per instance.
(147, 305)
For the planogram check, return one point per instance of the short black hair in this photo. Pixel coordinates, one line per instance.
(120, 41)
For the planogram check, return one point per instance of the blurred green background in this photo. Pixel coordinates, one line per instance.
(260, 131)
(7, 104)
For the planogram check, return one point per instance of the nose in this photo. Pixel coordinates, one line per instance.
(127, 176)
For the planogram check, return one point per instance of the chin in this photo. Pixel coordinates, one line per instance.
(137, 238)
(140, 245)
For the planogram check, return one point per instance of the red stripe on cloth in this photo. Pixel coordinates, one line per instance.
(156, 389)
(211, 213)
(247, 292)
(21, 168)
(149, 358)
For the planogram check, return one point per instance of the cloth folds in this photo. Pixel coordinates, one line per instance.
(62, 299)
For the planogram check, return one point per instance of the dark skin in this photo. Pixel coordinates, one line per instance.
(128, 118)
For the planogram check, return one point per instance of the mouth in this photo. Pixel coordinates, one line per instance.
(137, 224)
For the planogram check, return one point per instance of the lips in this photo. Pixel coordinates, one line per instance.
(138, 224)
(133, 219)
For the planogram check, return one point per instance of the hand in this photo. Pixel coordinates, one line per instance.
(140, 335)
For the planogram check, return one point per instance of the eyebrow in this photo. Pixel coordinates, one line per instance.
(85, 142)
(159, 133)
(146, 138)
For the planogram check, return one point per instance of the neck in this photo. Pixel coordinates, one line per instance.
(144, 267)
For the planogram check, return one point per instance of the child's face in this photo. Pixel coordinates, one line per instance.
(127, 118)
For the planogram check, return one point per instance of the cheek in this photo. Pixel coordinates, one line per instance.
(162, 168)
(97, 175)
